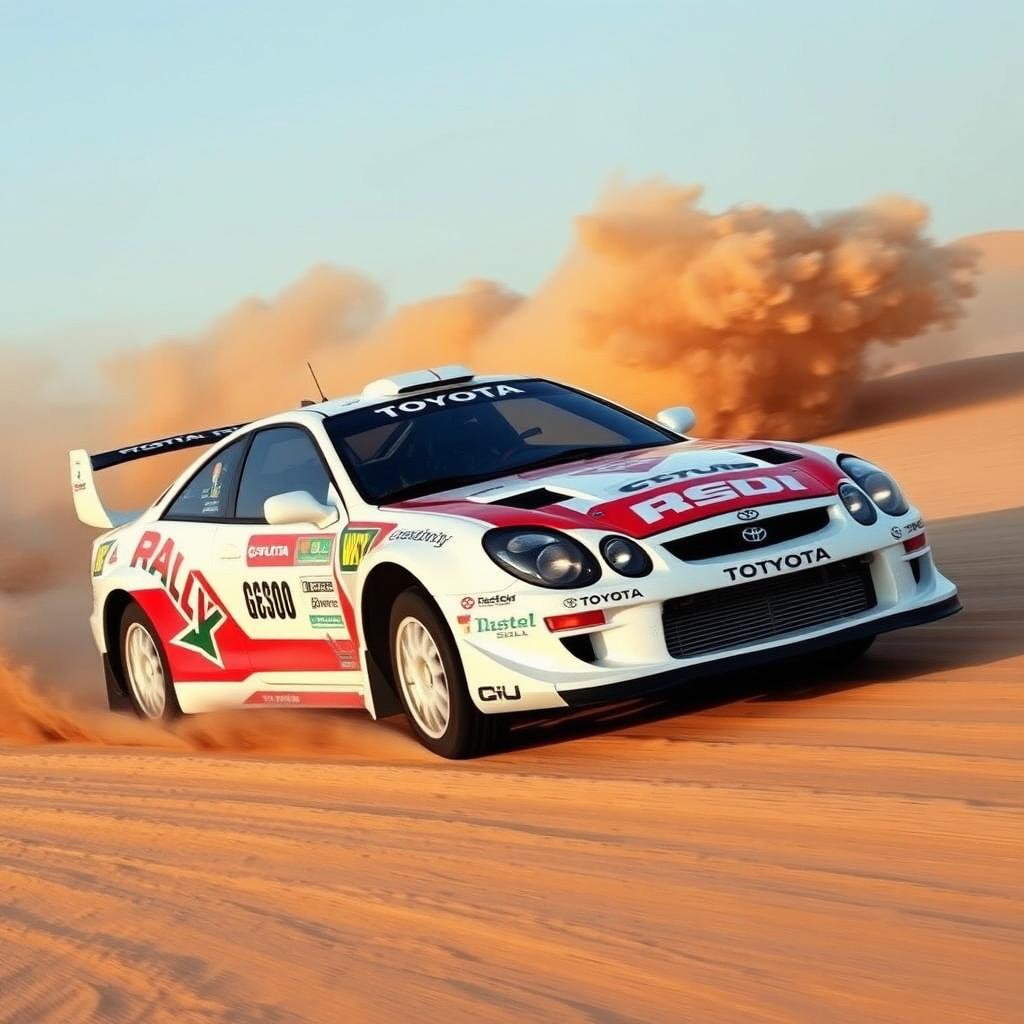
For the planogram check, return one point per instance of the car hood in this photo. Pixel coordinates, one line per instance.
(644, 492)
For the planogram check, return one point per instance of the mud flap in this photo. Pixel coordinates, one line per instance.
(382, 693)
(117, 697)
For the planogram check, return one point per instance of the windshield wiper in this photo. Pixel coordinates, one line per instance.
(443, 483)
(575, 454)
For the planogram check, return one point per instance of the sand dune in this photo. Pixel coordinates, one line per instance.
(787, 847)
(994, 323)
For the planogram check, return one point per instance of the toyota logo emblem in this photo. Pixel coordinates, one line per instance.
(748, 514)
(754, 534)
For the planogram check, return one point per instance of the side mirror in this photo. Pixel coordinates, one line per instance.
(679, 419)
(297, 507)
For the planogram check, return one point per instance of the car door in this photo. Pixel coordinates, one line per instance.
(193, 614)
(284, 592)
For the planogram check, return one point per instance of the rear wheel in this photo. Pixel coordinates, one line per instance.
(428, 675)
(146, 672)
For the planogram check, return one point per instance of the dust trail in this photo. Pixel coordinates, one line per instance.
(29, 718)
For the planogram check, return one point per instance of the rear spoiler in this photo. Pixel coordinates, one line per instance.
(89, 507)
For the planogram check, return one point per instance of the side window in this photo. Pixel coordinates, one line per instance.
(280, 459)
(207, 494)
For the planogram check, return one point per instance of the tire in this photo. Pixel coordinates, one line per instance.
(147, 675)
(428, 676)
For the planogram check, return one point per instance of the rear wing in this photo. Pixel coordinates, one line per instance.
(89, 507)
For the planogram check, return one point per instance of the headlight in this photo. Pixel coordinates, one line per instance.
(857, 504)
(545, 558)
(625, 556)
(881, 487)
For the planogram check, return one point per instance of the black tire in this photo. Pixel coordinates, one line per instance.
(468, 732)
(135, 616)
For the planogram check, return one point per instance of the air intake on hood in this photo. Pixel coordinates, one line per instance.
(537, 498)
(776, 456)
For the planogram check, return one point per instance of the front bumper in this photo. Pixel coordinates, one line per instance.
(660, 682)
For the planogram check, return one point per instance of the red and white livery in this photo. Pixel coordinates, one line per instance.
(464, 547)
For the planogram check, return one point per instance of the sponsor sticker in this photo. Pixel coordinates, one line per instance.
(609, 597)
(314, 551)
(277, 550)
(270, 549)
(355, 542)
(326, 621)
(502, 629)
(488, 601)
(771, 566)
(429, 402)
(684, 474)
(490, 693)
(671, 504)
(317, 585)
(100, 559)
(438, 540)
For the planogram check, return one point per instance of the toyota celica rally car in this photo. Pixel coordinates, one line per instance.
(470, 546)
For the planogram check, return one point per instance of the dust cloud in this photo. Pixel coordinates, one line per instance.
(27, 717)
(758, 318)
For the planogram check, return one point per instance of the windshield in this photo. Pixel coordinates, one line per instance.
(408, 447)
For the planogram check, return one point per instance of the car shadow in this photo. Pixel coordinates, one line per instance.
(981, 553)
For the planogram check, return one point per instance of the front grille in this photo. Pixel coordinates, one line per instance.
(728, 540)
(766, 609)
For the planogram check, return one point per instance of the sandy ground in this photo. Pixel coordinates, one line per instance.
(796, 847)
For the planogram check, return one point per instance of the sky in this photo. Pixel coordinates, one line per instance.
(161, 161)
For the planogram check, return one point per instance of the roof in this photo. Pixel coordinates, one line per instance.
(375, 392)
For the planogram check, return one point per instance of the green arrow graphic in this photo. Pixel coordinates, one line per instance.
(200, 636)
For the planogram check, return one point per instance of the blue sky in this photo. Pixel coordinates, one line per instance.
(160, 161)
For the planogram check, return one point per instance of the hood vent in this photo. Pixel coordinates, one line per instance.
(541, 497)
(776, 456)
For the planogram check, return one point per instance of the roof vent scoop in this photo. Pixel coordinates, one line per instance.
(416, 380)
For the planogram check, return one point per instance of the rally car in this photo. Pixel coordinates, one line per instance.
(462, 547)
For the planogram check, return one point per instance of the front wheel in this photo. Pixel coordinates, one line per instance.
(428, 675)
(146, 672)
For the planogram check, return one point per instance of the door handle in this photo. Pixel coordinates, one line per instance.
(229, 550)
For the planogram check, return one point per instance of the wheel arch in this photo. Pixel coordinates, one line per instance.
(113, 611)
(384, 582)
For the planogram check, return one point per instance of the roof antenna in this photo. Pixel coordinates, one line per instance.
(323, 397)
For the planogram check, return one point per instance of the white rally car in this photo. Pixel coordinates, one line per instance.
(471, 546)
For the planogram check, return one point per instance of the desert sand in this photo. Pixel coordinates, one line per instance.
(801, 846)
